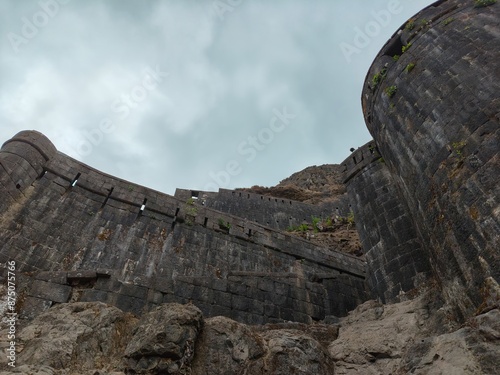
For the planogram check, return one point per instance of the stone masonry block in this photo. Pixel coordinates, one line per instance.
(241, 303)
(134, 291)
(50, 291)
(81, 275)
(53, 277)
(266, 285)
(155, 297)
(222, 299)
(271, 310)
(217, 310)
(108, 284)
(92, 295)
(281, 289)
(130, 304)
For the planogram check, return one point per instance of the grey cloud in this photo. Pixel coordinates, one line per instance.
(225, 78)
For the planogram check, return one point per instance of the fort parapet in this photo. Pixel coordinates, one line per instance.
(273, 212)
(396, 260)
(83, 235)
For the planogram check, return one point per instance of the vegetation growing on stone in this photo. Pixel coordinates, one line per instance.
(224, 224)
(377, 78)
(409, 67)
(483, 3)
(390, 91)
(410, 25)
(457, 148)
(405, 48)
(448, 21)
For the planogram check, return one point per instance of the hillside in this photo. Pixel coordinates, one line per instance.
(318, 185)
(314, 185)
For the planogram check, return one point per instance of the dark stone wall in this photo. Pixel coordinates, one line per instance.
(21, 162)
(79, 234)
(277, 213)
(396, 261)
(434, 114)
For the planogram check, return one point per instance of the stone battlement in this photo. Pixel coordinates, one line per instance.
(359, 159)
(69, 218)
(274, 212)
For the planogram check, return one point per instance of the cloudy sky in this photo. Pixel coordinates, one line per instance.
(193, 94)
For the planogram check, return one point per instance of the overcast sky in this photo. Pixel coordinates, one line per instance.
(193, 94)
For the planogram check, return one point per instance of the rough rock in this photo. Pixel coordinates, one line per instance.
(163, 341)
(473, 349)
(412, 337)
(80, 335)
(293, 352)
(226, 347)
(314, 185)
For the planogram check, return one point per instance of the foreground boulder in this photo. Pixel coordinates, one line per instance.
(76, 336)
(163, 341)
(226, 347)
(416, 336)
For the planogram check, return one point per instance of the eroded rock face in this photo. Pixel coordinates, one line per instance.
(163, 341)
(473, 349)
(293, 352)
(77, 336)
(414, 336)
(226, 347)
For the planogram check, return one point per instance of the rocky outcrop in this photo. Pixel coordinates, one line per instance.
(417, 337)
(314, 185)
(414, 336)
(74, 337)
(163, 341)
(227, 347)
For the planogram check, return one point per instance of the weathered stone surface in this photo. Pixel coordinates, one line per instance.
(473, 349)
(226, 347)
(433, 113)
(99, 243)
(77, 336)
(163, 341)
(411, 337)
(292, 352)
(425, 197)
(47, 370)
(50, 291)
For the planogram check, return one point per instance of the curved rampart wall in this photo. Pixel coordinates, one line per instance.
(84, 235)
(277, 213)
(434, 114)
(396, 261)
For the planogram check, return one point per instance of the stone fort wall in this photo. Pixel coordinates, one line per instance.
(77, 234)
(396, 260)
(434, 115)
(277, 213)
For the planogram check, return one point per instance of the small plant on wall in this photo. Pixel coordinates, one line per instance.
(410, 25)
(405, 48)
(224, 225)
(447, 21)
(390, 91)
(483, 3)
(377, 78)
(457, 148)
(315, 223)
(409, 67)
